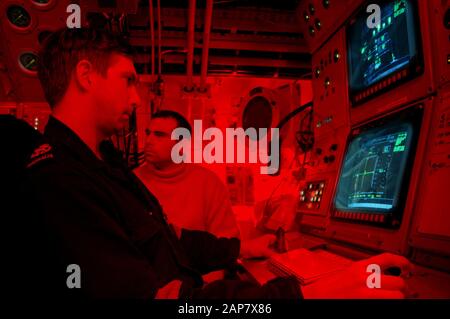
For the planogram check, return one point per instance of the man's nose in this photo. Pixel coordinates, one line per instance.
(135, 99)
(149, 140)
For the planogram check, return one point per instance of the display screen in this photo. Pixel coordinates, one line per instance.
(377, 162)
(377, 52)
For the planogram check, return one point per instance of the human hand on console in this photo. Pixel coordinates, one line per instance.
(257, 247)
(169, 291)
(351, 283)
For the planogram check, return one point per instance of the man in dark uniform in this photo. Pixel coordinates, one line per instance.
(100, 233)
(96, 214)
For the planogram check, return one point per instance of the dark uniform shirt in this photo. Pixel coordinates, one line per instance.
(96, 214)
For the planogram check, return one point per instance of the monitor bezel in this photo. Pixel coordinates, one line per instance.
(392, 219)
(414, 68)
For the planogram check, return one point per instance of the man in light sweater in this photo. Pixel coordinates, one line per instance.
(192, 196)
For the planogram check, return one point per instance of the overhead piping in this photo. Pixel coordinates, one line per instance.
(159, 37)
(190, 46)
(205, 51)
(152, 36)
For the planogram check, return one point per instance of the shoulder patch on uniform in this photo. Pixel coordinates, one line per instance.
(42, 152)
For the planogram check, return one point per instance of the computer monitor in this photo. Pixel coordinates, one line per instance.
(386, 55)
(374, 176)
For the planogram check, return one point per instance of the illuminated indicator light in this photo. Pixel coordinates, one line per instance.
(320, 192)
(310, 186)
(318, 199)
(302, 193)
(337, 56)
(306, 16)
(317, 192)
(318, 24)
(317, 72)
(321, 185)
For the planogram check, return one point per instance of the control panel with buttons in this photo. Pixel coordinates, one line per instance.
(329, 86)
(311, 195)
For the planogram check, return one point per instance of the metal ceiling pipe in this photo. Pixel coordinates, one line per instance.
(205, 51)
(152, 37)
(158, 4)
(190, 46)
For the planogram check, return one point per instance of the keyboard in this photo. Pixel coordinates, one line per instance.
(307, 266)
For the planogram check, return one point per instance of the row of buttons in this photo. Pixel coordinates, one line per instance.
(384, 84)
(377, 218)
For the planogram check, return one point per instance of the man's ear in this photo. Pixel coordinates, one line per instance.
(84, 74)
